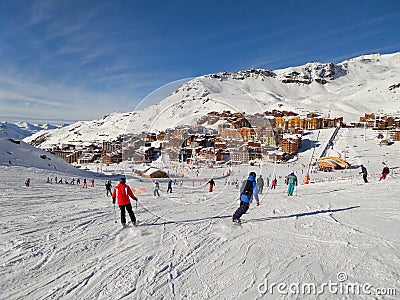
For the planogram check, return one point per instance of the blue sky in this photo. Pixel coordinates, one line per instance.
(83, 59)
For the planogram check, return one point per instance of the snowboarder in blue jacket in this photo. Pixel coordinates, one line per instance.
(247, 192)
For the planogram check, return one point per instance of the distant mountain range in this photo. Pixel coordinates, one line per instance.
(21, 130)
(369, 83)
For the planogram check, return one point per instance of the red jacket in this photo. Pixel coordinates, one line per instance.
(122, 192)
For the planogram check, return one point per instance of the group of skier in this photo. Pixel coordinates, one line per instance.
(385, 172)
(156, 190)
(250, 189)
(57, 180)
(60, 180)
(261, 183)
(72, 181)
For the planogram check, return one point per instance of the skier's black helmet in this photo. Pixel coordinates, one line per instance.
(253, 174)
(122, 180)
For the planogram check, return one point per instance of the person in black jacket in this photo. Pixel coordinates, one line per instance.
(364, 173)
(212, 184)
(248, 190)
(169, 189)
(108, 187)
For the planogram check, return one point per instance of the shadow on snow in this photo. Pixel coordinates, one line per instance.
(311, 213)
(298, 215)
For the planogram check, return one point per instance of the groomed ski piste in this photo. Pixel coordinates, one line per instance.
(336, 237)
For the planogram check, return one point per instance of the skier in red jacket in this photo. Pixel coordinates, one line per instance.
(385, 172)
(212, 184)
(121, 193)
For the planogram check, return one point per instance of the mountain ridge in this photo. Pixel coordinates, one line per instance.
(351, 88)
(21, 130)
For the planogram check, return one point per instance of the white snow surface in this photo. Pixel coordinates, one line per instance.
(61, 241)
(18, 153)
(353, 87)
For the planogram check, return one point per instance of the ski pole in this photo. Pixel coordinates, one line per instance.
(115, 214)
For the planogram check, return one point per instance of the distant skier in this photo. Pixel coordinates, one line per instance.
(260, 184)
(122, 193)
(169, 189)
(84, 183)
(267, 181)
(156, 188)
(385, 172)
(108, 187)
(78, 181)
(291, 181)
(92, 184)
(247, 192)
(364, 173)
(212, 184)
(27, 182)
(274, 183)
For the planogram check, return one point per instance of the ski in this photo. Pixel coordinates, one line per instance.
(237, 222)
(130, 224)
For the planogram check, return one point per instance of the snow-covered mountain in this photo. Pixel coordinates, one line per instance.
(21, 130)
(18, 153)
(369, 83)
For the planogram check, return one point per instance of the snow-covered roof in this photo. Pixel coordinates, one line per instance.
(152, 170)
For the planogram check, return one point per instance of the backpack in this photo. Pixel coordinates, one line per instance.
(248, 188)
(291, 179)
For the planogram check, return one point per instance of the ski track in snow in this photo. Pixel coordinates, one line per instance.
(61, 242)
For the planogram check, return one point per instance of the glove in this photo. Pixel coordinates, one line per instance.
(258, 203)
(113, 200)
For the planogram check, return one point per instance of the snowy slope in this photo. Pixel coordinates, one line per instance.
(337, 234)
(19, 153)
(349, 89)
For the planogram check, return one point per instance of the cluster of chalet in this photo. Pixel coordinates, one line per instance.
(390, 124)
(221, 137)
(230, 137)
(105, 152)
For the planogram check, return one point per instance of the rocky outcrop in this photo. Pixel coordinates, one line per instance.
(241, 75)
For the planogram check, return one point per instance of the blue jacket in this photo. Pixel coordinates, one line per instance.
(246, 198)
(291, 179)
